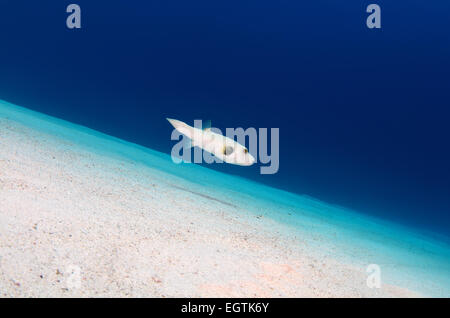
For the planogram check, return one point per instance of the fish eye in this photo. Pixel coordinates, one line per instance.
(228, 150)
(245, 150)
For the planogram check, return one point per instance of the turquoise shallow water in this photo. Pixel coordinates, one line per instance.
(406, 257)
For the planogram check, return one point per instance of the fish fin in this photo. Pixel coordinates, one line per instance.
(206, 125)
(181, 127)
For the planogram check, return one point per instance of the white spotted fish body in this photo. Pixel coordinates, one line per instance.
(224, 148)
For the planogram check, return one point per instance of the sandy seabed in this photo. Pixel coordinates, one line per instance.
(75, 222)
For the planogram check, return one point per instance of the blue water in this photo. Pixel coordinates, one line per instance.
(407, 258)
(363, 114)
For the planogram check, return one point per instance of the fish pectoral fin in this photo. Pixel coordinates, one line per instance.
(206, 125)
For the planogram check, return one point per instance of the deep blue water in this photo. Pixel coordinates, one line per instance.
(364, 115)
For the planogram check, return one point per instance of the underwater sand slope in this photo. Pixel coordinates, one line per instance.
(84, 214)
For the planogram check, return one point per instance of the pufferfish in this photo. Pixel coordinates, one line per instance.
(224, 148)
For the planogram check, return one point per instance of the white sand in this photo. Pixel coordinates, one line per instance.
(130, 232)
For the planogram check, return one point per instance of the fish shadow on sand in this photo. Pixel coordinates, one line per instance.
(204, 196)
